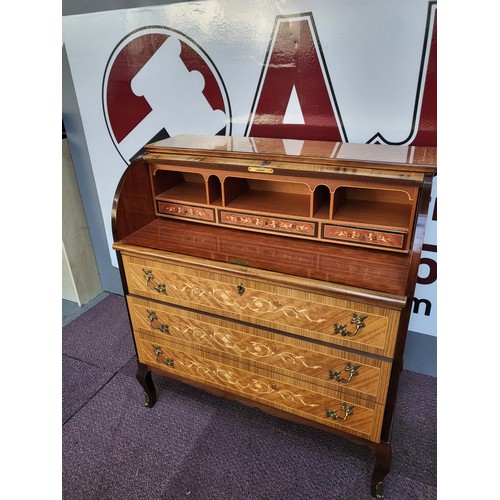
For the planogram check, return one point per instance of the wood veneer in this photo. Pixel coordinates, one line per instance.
(367, 269)
(230, 287)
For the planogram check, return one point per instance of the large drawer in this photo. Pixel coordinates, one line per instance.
(352, 415)
(329, 368)
(323, 317)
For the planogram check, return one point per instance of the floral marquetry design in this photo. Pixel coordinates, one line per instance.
(269, 223)
(261, 387)
(254, 303)
(225, 339)
(187, 211)
(394, 240)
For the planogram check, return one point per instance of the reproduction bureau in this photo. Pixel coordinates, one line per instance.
(278, 273)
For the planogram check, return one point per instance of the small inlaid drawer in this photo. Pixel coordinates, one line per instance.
(186, 211)
(364, 236)
(352, 415)
(269, 223)
(366, 327)
(329, 368)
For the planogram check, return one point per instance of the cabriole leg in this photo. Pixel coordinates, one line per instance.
(383, 457)
(146, 381)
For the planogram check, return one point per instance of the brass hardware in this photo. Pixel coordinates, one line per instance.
(160, 287)
(152, 316)
(148, 274)
(355, 320)
(347, 409)
(350, 368)
(169, 361)
(238, 261)
(379, 490)
(261, 170)
(163, 327)
(158, 350)
(241, 288)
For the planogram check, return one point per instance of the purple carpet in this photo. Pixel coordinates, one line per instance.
(193, 445)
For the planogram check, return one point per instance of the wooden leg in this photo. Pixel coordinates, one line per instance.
(383, 457)
(146, 381)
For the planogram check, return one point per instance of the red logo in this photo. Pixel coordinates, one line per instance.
(158, 83)
(295, 97)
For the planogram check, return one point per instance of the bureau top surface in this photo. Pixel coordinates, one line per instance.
(410, 158)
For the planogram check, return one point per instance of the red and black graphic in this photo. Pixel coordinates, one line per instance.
(295, 97)
(158, 82)
(427, 126)
(424, 114)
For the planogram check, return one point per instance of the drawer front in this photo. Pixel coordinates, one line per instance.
(268, 223)
(279, 392)
(323, 366)
(186, 211)
(364, 236)
(369, 328)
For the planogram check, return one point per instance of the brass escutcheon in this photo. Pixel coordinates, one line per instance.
(263, 169)
(351, 368)
(356, 319)
(240, 262)
(240, 288)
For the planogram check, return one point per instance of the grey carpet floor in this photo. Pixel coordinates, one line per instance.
(195, 446)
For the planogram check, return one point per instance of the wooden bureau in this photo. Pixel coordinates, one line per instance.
(281, 280)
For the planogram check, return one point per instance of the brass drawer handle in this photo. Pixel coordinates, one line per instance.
(357, 320)
(169, 362)
(351, 368)
(347, 409)
(241, 288)
(152, 316)
(160, 287)
(158, 350)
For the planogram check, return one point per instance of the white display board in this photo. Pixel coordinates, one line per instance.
(348, 71)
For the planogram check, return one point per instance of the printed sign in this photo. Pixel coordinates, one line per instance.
(159, 83)
(295, 69)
